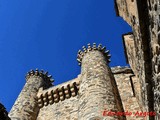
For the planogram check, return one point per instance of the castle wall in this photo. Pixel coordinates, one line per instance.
(128, 40)
(127, 9)
(139, 22)
(129, 45)
(154, 30)
(59, 102)
(69, 108)
(127, 86)
(148, 33)
(63, 110)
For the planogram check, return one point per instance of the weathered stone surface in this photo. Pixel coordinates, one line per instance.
(154, 29)
(63, 110)
(128, 40)
(97, 80)
(143, 50)
(127, 87)
(69, 109)
(137, 48)
(58, 93)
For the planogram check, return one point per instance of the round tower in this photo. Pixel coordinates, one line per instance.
(98, 91)
(26, 107)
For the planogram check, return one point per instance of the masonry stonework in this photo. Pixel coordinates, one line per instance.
(59, 102)
(97, 80)
(145, 26)
(26, 107)
(97, 91)
(100, 92)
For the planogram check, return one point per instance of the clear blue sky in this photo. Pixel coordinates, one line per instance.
(47, 34)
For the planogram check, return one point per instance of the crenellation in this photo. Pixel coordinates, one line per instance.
(41, 74)
(81, 53)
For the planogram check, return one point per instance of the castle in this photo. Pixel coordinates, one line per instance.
(100, 92)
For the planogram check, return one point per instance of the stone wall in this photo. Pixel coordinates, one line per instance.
(59, 102)
(128, 10)
(154, 29)
(130, 52)
(128, 88)
(69, 108)
(139, 21)
(129, 44)
(63, 110)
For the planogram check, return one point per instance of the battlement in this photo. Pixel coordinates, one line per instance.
(58, 93)
(81, 53)
(40, 73)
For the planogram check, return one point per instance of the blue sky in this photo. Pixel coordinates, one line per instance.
(47, 34)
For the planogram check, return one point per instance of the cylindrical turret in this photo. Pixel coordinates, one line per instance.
(98, 92)
(26, 107)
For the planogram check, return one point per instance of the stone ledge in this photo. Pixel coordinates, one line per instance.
(120, 69)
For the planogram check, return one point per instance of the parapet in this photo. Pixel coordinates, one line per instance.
(81, 53)
(58, 93)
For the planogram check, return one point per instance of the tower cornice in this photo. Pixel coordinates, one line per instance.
(85, 50)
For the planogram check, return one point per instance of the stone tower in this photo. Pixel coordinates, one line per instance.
(83, 98)
(98, 88)
(26, 107)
